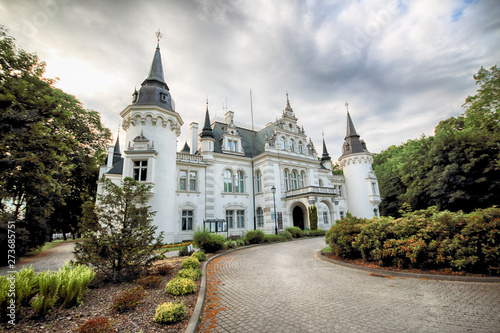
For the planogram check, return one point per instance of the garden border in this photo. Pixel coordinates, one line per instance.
(389, 273)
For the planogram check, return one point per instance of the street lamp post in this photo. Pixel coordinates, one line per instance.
(273, 189)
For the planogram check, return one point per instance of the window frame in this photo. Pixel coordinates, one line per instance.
(187, 220)
(228, 181)
(140, 168)
(258, 181)
(260, 217)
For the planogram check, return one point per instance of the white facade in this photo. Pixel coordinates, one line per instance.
(229, 172)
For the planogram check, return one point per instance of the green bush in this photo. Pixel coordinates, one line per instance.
(183, 252)
(129, 299)
(149, 282)
(231, 244)
(426, 239)
(207, 242)
(74, 282)
(97, 325)
(48, 286)
(190, 262)
(180, 286)
(317, 233)
(240, 242)
(254, 237)
(313, 217)
(268, 238)
(26, 285)
(287, 234)
(4, 298)
(200, 255)
(296, 232)
(170, 313)
(189, 273)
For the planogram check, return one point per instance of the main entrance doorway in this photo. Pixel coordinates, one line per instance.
(298, 217)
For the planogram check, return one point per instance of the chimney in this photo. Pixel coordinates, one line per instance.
(194, 137)
(229, 117)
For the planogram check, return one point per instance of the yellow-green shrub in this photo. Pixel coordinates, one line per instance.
(189, 273)
(180, 286)
(74, 282)
(48, 285)
(190, 262)
(200, 255)
(170, 312)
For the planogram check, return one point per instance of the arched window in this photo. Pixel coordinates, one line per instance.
(294, 180)
(301, 147)
(286, 175)
(292, 145)
(260, 217)
(302, 179)
(283, 143)
(240, 182)
(258, 181)
(228, 181)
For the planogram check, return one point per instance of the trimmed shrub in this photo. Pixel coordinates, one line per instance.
(231, 244)
(313, 217)
(149, 282)
(240, 242)
(287, 234)
(317, 233)
(207, 242)
(183, 252)
(129, 299)
(200, 255)
(254, 237)
(170, 313)
(180, 286)
(74, 282)
(48, 284)
(97, 325)
(296, 232)
(189, 273)
(274, 238)
(163, 270)
(190, 263)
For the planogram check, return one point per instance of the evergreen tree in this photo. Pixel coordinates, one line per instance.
(121, 236)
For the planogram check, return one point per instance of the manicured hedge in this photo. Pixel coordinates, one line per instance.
(427, 239)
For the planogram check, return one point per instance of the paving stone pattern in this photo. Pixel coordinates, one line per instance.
(286, 287)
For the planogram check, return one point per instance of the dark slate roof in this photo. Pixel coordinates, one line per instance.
(154, 90)
(207, 129)
(186, 148)
(117, 155)
(326, 156)
(117, 168)
(353, 144)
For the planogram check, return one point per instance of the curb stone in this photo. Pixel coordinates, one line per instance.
(387, 273)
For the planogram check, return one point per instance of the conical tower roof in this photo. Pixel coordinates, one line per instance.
(117, 155)
(325, 156)
(207, 131)
(352, 144)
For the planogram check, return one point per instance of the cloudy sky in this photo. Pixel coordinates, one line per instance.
(402, 65)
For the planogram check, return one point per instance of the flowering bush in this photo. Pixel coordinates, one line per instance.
(180, 286)
(170, 312)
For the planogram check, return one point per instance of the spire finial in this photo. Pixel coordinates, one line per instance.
(158, 36)
(347, 106)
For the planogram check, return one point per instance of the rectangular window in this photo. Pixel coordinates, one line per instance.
(187, 220)
(182, 180)
(340, 190)
(325, 218)
(140, 170)
(228, 144)
(235, 146)
(374, 188)
(229, 218)
(240, 218)
(192, 181)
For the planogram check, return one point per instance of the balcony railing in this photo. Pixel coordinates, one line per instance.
(189, 157)
(312, 190)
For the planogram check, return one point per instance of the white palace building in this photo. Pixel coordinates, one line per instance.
(233, 173)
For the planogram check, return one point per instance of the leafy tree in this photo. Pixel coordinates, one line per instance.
(456, 169)
(48, 142)
(123, 241)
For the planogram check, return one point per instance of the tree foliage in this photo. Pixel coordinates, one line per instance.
(123, 241)
(456, 169)
(313, 217)
(50, 147)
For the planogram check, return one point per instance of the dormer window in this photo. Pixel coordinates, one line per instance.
(164, 97)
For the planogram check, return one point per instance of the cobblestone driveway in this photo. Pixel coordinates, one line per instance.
(287, 288)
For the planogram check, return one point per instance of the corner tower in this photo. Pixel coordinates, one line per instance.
(363, 196)
(152, 127)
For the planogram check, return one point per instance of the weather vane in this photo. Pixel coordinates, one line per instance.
(158, 35)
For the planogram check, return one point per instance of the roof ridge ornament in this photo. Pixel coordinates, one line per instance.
(158, 36)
